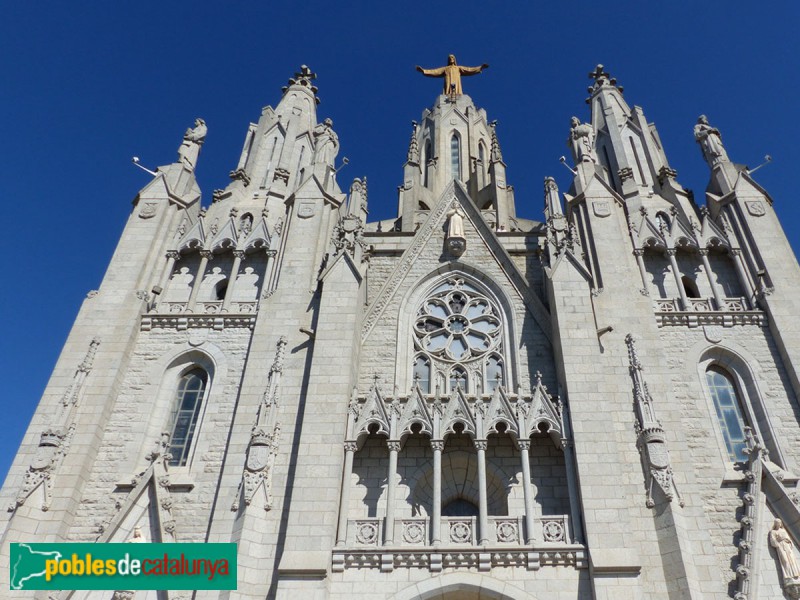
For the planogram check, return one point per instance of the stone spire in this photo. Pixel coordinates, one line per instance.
(455, 141)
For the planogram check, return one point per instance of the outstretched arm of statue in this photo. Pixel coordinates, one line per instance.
(431, 72)
(472, 70)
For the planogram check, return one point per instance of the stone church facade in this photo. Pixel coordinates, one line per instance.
(455, 403)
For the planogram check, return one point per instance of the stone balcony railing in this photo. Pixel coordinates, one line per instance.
(706, 311)
(206, 315)
(413, 547)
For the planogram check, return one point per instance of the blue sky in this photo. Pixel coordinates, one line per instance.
(86, 88)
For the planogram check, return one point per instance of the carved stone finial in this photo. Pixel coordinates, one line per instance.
(303, 78)
(601, 79)
(413, 146)
(496, 154)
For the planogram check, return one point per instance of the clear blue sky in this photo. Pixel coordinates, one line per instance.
(85, 88)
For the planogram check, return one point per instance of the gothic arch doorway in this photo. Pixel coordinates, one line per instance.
(462, 586)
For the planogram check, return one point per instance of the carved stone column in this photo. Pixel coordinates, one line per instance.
(205, 256)
(749, 292)
(344, 503)
(172, 257)
(524, 447)
(677, 275)
(718, 299)
(391, 490)
(639, 253)
(483, 509)
(238, 255)
(436, 512)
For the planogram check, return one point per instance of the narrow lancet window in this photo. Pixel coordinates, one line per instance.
(422, 374)
(426, 163)
(729, 412)
(455, 157)
(188, 401)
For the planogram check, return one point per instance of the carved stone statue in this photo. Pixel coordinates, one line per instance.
(137, 537)
(452, 74)
(189, 149)
(780, 540)
(710, 142)
(326, 143)
(581, 141)
(455, 224)
(455, 239)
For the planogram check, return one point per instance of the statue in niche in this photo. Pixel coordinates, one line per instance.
(326, 143)
(452, 73)
(189, 149)
(581, 141)
(455, 239)
(710, 142)
(780, 540)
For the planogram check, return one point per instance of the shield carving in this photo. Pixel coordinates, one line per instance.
(305, 210)
(601, 208)
(257, 458)
(148, 210)
(657, 453)
(756, 208)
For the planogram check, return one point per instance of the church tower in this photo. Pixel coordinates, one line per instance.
(457, 402)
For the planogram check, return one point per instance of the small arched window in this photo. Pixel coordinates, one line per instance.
(186, 409)
(729, 412)
(455, 156)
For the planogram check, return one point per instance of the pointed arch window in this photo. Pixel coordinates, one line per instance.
(728, 407)
(458, 332)
(455, 156)
(186, 409)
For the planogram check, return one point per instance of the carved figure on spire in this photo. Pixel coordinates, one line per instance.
(326, 143)
(581, 141)
(452, 73)
(189, 149)
(710, 142)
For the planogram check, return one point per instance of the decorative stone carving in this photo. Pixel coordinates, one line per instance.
(193, 139)
(756, 208)
(581, 141)
(414, 532)
(710, 142)
(507, 531)
(602, 79)
(784, 548)
(303, 78)
(240, 175)
(651, 439)
(553, 531)
(461, 531)
(264, 439)
(665, 173)
(624, 174)
(367, 533)
(148, 210)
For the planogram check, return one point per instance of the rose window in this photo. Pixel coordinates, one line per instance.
(457, 323)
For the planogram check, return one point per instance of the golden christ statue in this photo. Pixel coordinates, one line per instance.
(452, 74)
